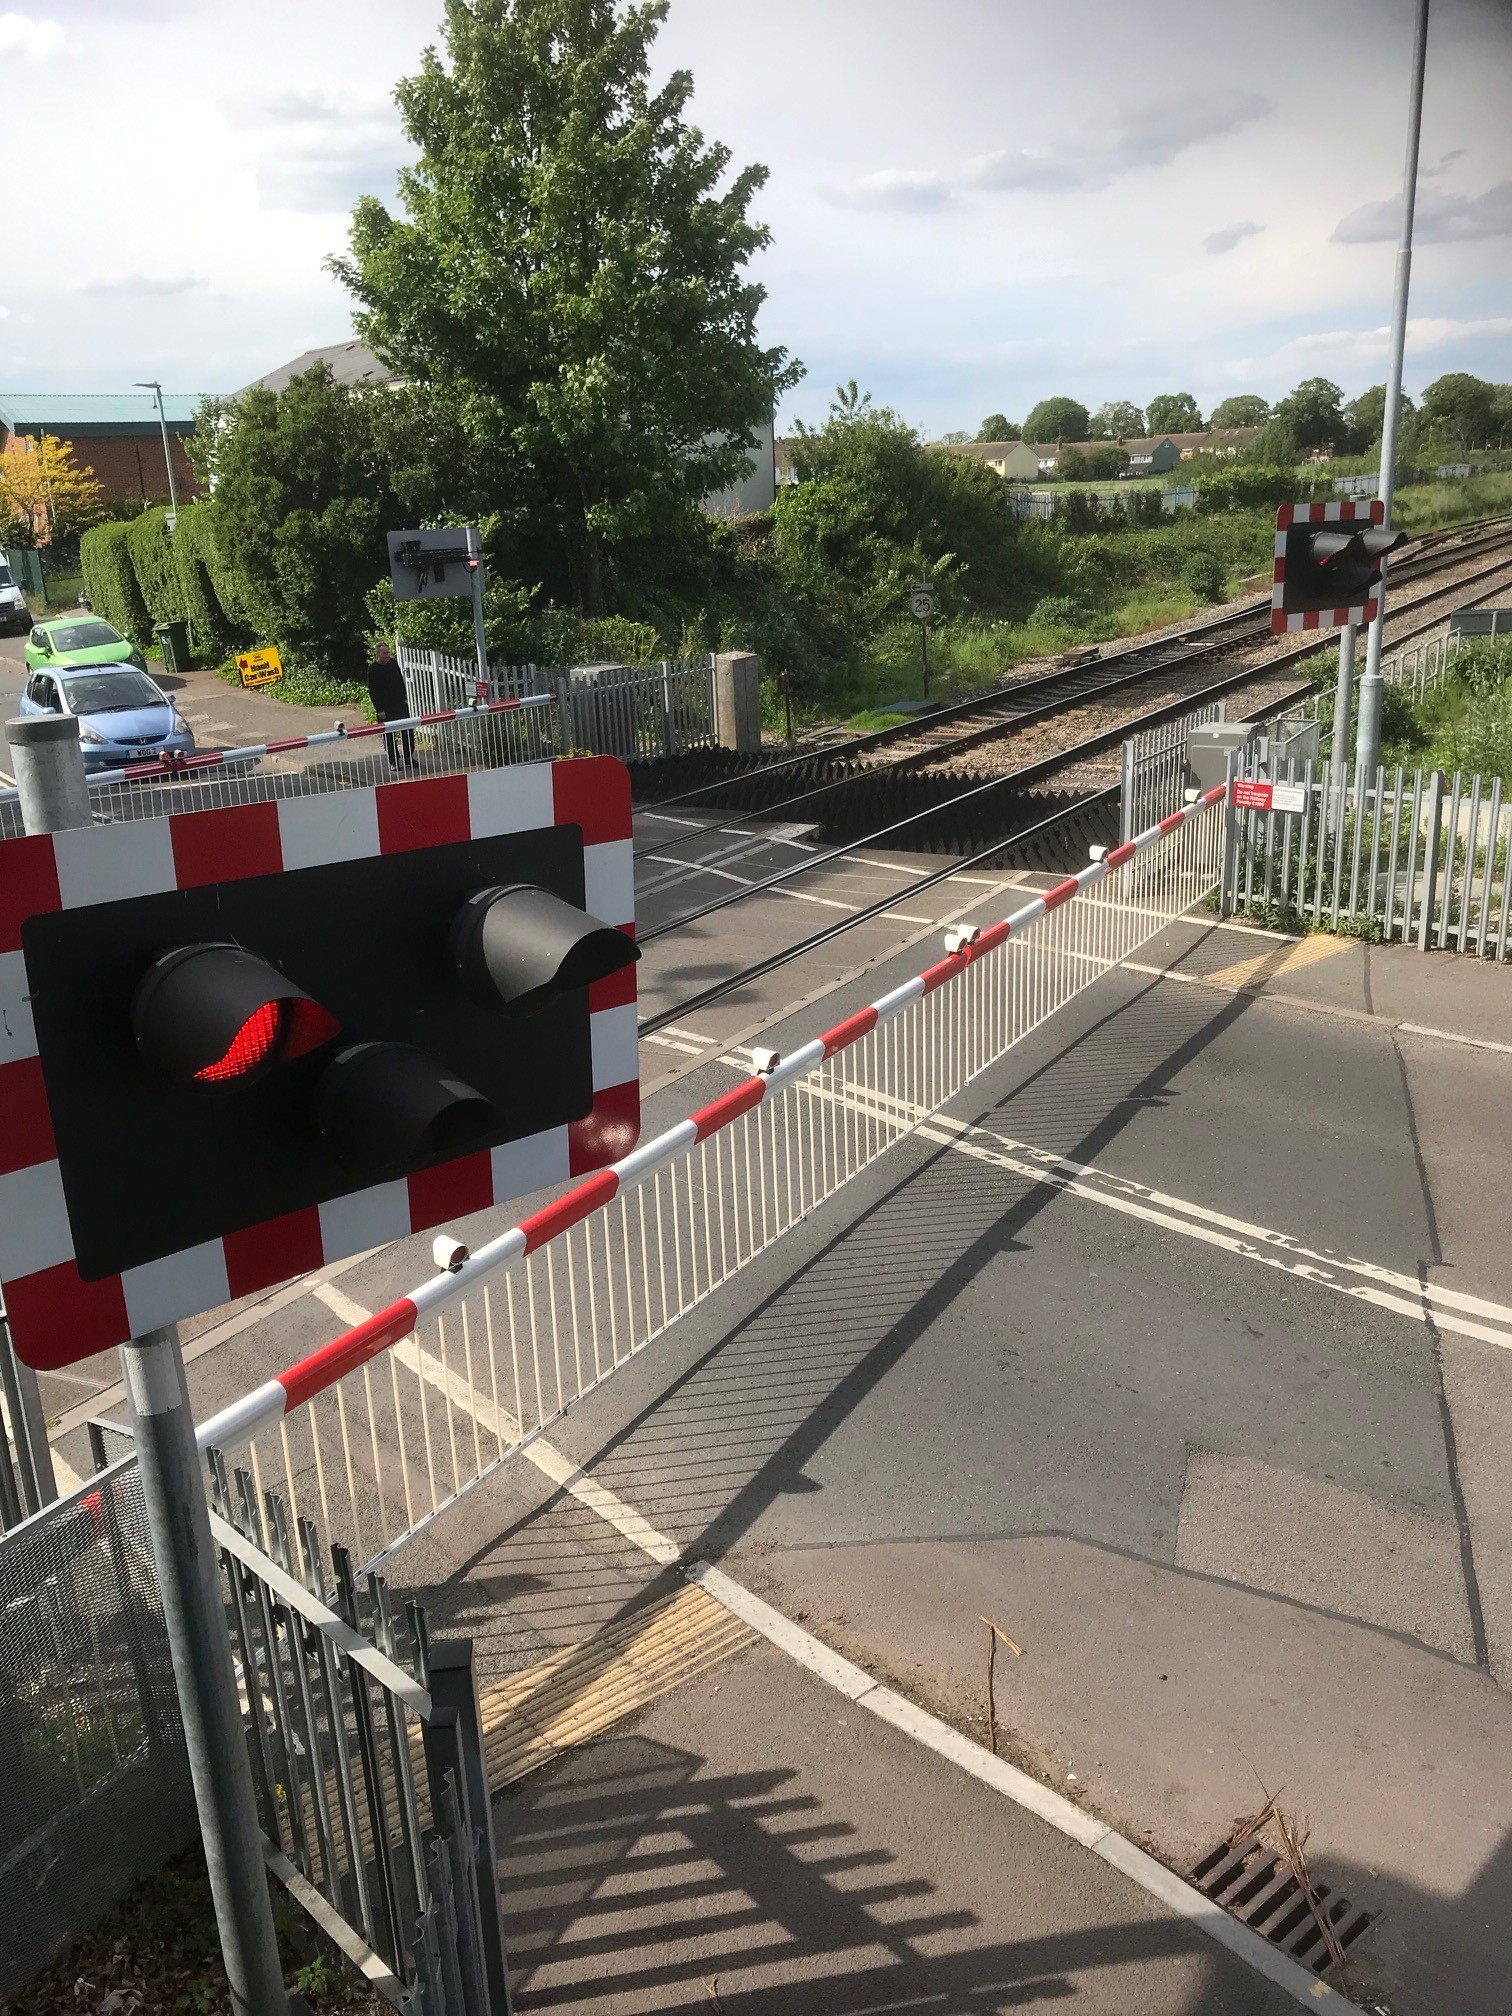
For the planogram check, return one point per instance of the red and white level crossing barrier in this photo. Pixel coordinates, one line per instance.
(172, 767)
(553, 1306)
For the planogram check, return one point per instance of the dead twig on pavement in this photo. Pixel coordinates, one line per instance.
(993, 1635)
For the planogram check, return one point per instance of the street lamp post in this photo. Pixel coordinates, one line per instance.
(152, 385)
(1368, 735)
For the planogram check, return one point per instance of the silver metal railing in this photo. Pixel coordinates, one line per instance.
(367, 1749)
(635, 712)
(1153, 772)
(368, 1762)
(304, 765)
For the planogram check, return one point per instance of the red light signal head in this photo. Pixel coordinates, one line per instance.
(216, 1015)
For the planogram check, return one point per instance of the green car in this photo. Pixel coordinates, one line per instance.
(77, 640)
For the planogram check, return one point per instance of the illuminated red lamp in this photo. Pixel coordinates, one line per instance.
(217, 1015)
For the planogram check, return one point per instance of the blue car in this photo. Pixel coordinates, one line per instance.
(123, 716)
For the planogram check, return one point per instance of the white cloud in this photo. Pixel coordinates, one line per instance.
(138, 286)
(896, 189)
(318, 154)
(1226, 239)
(1441, 217)
(1343, 348)
(1150, 137)
(20, 35)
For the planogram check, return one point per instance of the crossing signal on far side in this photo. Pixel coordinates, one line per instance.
(1328, 565)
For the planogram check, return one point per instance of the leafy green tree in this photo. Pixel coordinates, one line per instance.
(956, 438)
(1314, 414)
(304, 498)
(569, 269)
(1240, 409)
(1096, 464)
(1501, 415)
(1365, 417)
(1461, 408)
(1174, 413)
(874, 509)
(1057, 420)
(1118, 419)
(998, 427)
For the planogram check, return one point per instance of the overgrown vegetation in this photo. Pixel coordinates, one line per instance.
(158, 1954)
(1464, 724)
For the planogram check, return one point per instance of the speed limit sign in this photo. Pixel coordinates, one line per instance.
(921, 602)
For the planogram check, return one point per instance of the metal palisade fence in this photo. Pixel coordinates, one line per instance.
(1154, 769)
(386, 1428)
(1410, 859)
(635, 712)
(478, 736)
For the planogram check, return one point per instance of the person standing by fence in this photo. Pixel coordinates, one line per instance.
(385, 685)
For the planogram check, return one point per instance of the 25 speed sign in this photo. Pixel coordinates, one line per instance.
(921, 602)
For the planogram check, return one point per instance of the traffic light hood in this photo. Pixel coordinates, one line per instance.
(386, 1108)
(519, 945)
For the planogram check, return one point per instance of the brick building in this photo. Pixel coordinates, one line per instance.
(114, 433)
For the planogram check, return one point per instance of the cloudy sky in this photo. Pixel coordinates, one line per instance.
(974, 203)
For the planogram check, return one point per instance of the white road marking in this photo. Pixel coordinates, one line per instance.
(860, 1688)
(1382, 1287)
(864, 1691)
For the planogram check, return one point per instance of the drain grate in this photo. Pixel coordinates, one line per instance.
(1260, 1891)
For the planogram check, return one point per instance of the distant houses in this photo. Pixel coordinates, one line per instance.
(1031, 461)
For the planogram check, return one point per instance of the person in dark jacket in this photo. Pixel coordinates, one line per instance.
(385, 684)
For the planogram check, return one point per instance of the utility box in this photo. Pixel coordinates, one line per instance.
(1208, 750)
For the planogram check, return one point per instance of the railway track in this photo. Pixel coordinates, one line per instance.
(1004, 711)
(979, 800)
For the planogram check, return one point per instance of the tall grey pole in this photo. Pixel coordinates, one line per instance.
(188, 1577)
(1343, 704)
(1368, 744)
(49, 773)
(152, 385)
(475, 574)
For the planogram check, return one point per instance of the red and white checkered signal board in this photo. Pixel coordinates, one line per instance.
(58, 1317)
(1338, 511)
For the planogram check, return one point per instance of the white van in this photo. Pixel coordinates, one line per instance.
(14, 614)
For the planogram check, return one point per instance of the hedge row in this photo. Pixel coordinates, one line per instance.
(140, 573)
(111, 584)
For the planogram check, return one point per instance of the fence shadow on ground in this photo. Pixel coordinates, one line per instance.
(637, 1877)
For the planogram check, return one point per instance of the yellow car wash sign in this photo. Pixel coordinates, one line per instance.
(260, 668)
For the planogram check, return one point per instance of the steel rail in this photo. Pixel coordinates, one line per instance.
(1032, 773)
(1006, 694)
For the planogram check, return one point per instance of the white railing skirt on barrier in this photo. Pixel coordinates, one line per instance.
(480, 1361)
